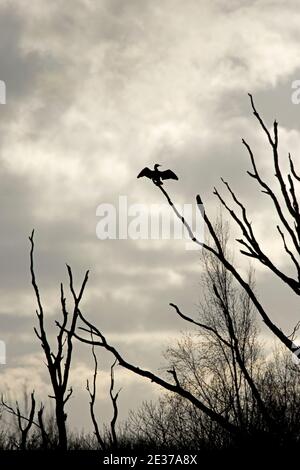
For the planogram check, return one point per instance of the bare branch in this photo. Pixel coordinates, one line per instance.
(271, 422)
(293, 169)
(229, 266)
(24, 430)
(174, 375)
(44, 434)
(59, 371)
(92, 394)
(227, 425)
(295, 330)
(201, 325)
(268, 190)
(253, 245)
(114, 399)
(289, 252)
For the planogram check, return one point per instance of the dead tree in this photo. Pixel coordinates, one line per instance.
(176, 388)
(29, 420)
(288, 214)
(288, 227)
(59, 362)
(221, 364)
(233, 343)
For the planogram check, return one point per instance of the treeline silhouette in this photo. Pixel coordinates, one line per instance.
(222, 389)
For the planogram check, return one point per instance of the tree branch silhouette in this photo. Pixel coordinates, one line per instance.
(24, 430)
(59, 362)
(114, 400)
(218, 252)
(92, 393)
(102, 342)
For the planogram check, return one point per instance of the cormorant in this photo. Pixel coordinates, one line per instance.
(156, 175)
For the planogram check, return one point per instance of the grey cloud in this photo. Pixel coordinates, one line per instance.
(120, 84)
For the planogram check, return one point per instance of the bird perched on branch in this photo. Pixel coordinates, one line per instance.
(156, 175)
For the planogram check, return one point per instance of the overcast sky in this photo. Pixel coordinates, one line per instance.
(96, 90)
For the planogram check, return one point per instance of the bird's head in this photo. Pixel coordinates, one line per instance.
(156, 166)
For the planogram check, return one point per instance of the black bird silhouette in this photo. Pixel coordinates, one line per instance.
(156, 175)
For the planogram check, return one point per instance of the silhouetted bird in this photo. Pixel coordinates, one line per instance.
(156, 175)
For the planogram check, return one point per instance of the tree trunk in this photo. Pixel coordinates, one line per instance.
(61, 425)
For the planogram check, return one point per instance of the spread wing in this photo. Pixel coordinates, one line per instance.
(168, 175)
(145, 172)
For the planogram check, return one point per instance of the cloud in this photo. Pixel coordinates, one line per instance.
(98, 90)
